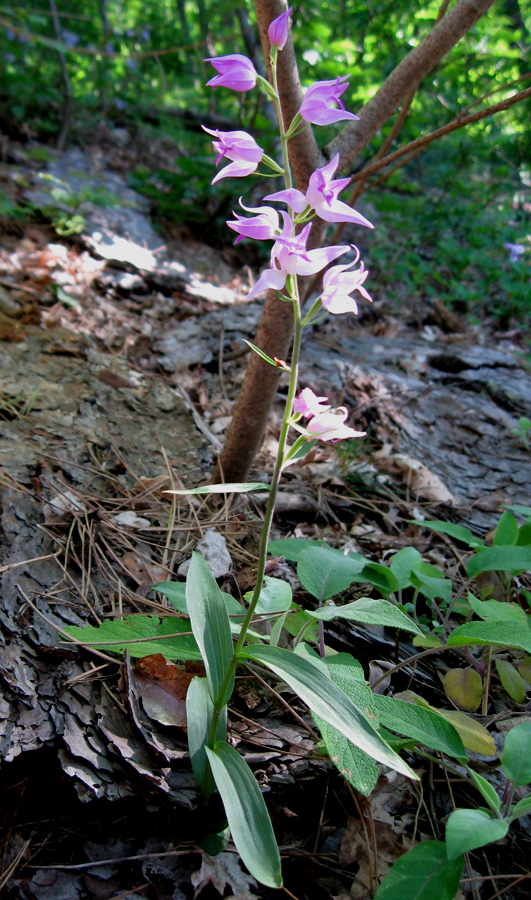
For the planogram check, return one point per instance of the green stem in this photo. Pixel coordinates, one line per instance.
(268, 517)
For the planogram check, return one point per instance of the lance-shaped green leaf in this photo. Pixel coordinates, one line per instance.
(327, 700)
(277, 364)
(247, 814)
(507, 558)
(459, 532)
(487, 791)
(199, 715)
(424, 873)
(418, 723)
(511, 680)
(235, 487)
(496, 634)
(468, 829)
(210, 626)
(522, 808)
(141, 636)
(369, 611)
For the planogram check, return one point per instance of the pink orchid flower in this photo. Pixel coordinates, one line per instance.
(321, 196)
(308, 404)
(262, 227)
(235, 72)
(330, 426)
(278, 30)
(289, 256)
(239, 147)
(338, 284)
(318, 101)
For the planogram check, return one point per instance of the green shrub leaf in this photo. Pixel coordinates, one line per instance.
(378, 576)
(506, 530)
(368, 611)
(458, 532)
(468, 829)
(402, 564)
(113, 636)
(291, 548)
(356, 766)
(421, 724)
(424, 873)
(275, 597)
(511, 680)
(506, 558)
(495, 634)
(516, 759)
(487, 791)
(324, 572)
(495, 611)
(522, 808)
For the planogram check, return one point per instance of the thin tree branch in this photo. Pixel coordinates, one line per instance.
(459, 122)
(406, 77)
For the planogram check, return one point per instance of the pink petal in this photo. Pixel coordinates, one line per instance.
(337, 211)
(237, 169)
(271, 278)
(294, 198)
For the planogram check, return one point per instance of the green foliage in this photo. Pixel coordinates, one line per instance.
(516, 759)
(356, 766)
(425, 873)
(199, 720)
(368, 611)
(468, 829)
(211, 628)
(247, 814)
(140, 636)
(524, 427)
(319, 692)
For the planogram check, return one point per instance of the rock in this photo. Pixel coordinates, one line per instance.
(213, 548)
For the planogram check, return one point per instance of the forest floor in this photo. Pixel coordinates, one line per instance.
(120, 359)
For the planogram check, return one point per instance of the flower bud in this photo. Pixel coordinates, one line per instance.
(278, 30)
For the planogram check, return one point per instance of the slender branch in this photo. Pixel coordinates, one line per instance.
(459, 122)
(406, 77)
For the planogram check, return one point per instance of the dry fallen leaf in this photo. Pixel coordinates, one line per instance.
(422, 481)
(162, 687)
(220, 871)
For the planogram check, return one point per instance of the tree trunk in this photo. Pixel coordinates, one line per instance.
(275, 328)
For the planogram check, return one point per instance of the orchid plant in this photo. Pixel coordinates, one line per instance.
(214, 761)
